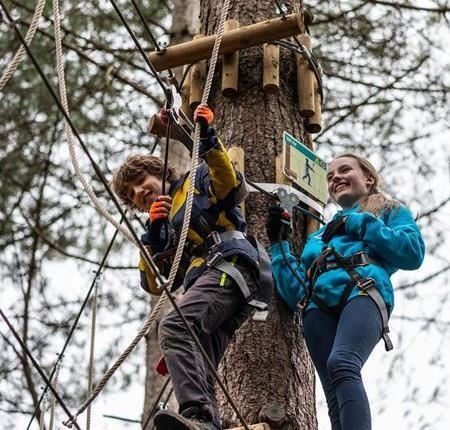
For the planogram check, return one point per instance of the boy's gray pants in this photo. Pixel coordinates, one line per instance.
(214, 312)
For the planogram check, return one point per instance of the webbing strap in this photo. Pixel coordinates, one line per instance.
(375, 295)
(236, 275)
(366, 285)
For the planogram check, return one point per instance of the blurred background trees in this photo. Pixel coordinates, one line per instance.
(387, 87)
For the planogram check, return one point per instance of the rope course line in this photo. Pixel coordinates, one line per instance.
(55, 368)
(67, 129)
(53, 401)
(37, 366)
(150, 34)
(20, 54)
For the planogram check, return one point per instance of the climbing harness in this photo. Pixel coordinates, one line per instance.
(216, 260)
(366, 285)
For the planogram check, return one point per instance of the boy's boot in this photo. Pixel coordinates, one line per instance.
(190, 419)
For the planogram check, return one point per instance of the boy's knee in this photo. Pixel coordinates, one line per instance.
(170, 328)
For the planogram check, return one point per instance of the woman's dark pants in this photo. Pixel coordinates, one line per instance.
(339, 349)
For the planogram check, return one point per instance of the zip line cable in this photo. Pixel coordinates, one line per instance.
(75, 323)
(150, 34)
(37, 366)
(140, 49)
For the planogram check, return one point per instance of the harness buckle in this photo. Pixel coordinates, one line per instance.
(213, 239)
(365, 284)
(215, 258)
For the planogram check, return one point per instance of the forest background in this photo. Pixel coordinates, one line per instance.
(386, 75)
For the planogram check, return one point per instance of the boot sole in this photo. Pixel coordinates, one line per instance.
(170, 421)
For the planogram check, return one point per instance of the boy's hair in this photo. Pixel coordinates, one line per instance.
(135, 166)
(377, 200)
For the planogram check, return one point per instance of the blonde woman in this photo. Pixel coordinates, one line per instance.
(342, 282)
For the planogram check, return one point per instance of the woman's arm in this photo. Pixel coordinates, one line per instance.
(288, 286)
(399, 241)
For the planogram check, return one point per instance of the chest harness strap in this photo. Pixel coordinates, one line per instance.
(366, 285)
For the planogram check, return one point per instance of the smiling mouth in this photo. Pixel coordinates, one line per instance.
(340, 187)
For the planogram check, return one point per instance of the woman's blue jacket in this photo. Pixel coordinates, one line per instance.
(393, 239)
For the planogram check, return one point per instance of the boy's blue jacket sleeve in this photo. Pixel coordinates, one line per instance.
(288, 286)
(398, 241)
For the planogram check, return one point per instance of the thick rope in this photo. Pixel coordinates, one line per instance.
(68, 130)
(142, 332)
(20, 54)
(92, 349)
(186, 221)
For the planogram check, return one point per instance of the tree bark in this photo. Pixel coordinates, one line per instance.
(266, 368)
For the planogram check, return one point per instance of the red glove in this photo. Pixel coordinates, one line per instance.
(164, 116)
(160, 208)
(161, 367)
(204, 114)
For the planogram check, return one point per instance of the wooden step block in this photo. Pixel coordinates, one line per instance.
(261, 426)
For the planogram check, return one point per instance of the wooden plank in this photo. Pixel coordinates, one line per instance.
(261, 426)
(232, 41)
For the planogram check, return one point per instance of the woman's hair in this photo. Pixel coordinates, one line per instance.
(376, 201)
(134, 167)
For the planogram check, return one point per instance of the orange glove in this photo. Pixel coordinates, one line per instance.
(160, 208)
(164, 116)
(161, 367)
(204, 114)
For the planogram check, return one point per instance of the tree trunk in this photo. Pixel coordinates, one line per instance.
(267, 368)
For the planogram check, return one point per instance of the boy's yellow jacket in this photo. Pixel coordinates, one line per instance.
(218, 191)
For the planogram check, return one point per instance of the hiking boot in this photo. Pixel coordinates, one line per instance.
(169, 420)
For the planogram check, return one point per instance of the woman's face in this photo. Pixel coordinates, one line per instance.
(347, 182)
(144, 190)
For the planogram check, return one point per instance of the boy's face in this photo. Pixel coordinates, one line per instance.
(144, 190)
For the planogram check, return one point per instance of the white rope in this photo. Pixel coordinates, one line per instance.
(68, 130)
(195, 148)
(92, 348)
(20, 54)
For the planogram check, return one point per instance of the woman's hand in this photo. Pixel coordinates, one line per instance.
(278, 225)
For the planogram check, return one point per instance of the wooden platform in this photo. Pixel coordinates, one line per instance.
(261, 426)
